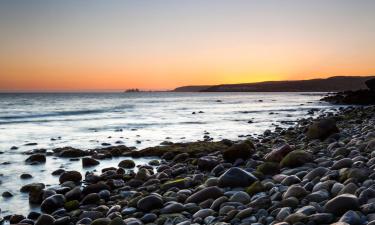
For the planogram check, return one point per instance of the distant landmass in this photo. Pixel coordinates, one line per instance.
(332, 84)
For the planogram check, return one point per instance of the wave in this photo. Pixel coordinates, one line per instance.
(66, 113)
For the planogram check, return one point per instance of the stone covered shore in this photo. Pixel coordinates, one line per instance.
(317, 172)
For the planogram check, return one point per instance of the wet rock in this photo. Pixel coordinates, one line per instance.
(150, 202)
(74, 176)
(174, 207)
(127, 163)
(295, 191)
(236, 177)
(101, 221)
(92, 198)
(87, 162)
(342, 203)
(277, 154)
(36, 159)
(7, 194)
(207, 162)
(352, 218)
(25, 176)
(50, 204)
(44, 219)
(69, 152)
(296, 158)
(242, 150)
(204, 194)
(322, 129)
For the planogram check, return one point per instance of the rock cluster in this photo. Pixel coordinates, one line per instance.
(285, 177)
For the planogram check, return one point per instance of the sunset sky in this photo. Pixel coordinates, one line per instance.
(79, 45)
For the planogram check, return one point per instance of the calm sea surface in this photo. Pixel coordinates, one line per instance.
(133, 119)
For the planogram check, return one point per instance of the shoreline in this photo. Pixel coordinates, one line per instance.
(225, 181)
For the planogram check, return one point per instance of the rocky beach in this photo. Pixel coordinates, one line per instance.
(319, 171)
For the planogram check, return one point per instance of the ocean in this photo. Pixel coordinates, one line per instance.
(141, 119)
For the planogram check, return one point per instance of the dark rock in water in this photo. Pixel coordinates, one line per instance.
(87, 162)
(7, 194)
(45, 219)
(277, 154)
(150, 202)
(70, 152)
(14, 148)
(236, 177)
(51, 204)
(74, 176)
(204, 194)
(15, 219)
(58, 172)
(95, 188)
(26, 176)
(296, 158)
(342, 203)
(31, 144)
(32, 186)
(127, 163)
(371, 84)
(36, 158)
(74, 194)
(322, 129)
(359, 97)
(242, 150)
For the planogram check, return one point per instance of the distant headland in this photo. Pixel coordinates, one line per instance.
(331, 84)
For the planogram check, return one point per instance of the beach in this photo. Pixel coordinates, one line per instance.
(317, 170)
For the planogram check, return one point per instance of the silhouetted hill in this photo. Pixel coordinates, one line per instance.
(192, 88)
(332, 84)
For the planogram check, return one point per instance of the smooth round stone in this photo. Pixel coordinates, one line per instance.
(295, 191)
(128, 211)
(321, 218)
(342, 163)
(317, 172)
(101, 221)
(351, 218)
(149, 217)
(244, 213)
(226, 209)
(52, 203)
(336, 188)
(117, 221)
(92, 215)
(289, 180)
(318, 196)
(174, 207)
(283, 213)
(236, 177)
(204, 194)
(44, 219)
(203, 213)
(342, 203)
(150, 202)
(241, 197)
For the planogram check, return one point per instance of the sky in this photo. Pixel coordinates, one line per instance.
(79, 45)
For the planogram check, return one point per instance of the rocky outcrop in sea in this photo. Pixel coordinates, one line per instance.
(358, 97)
(320, 171)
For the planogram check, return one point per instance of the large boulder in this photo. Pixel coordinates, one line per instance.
(342, 203)
(36, 159)
(322, 129)
(52, 203)
(296, 158)
(371, 84)
(87, 162)
(242, 150)
(236, 177)
(74, 176)
(70, 152)
(278, 153)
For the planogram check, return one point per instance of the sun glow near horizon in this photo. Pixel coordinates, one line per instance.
(80, 45)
